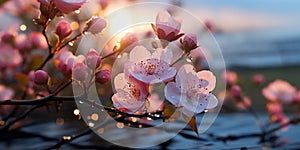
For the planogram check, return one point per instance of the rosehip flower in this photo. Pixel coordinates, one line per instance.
(79, 71)
(38, 40)
(189, 42)
(6, 93)
(41, 77)
(279, 90)
(167, 27)
(63, 29)
(96, 25)
(150, 68)
(103, 76)
(192, 90)
(9, 57)
(22, 42)
(258, 79)
(68, 6)
(236, 91)
(93, 58)
(230, 77)
(131, 94)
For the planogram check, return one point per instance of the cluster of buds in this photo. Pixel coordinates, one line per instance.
(80, 66)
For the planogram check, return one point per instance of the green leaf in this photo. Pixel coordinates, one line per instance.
(22, 79)
(191, 121)
(36, 61)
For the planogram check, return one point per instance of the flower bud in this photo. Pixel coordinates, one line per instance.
(189, 42)
(258, 79)
(38, 40)
(67, 6)
(93, 59)
(63, 29)
(104, 3)
(22, 43)
(236, 91)
(41, 77)
(130, 39)
(7, 37)
(79, 71)
(103, 76)
(96, 25)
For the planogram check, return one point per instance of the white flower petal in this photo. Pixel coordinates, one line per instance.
(138, 54)
(212, 102)
(209, 77)
(172, 93)
(163, 54)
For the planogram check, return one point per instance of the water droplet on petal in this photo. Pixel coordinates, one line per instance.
(205, 110)
(70, 44)
(81, 102)
(188, 59)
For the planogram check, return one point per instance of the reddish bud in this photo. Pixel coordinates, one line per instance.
(189, 42)
(41, 77)
(96, 25)
(93, 59)
(236, 91)
(103, 76)
(63, 29)
(79, 71)
(258, 79)
(68, 6)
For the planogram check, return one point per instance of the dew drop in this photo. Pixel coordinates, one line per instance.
(205, 110)
(70, 44)
(188, 59)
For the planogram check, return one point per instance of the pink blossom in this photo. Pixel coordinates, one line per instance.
(258, 79)
(93, 59)
(96, 25)
(63, 29)
(9, 57)
(189, 42)
(38, 40)
(103, 76)
(68, 6)
(6, 93)
(167, 27)
(150, 68)
(131, 94)
(192, 90)
(279, 90)
(230, 77)
(41, 77)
